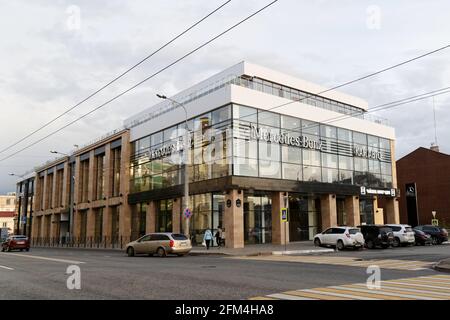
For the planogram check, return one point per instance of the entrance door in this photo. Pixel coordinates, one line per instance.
(304, 217)
(257, 219)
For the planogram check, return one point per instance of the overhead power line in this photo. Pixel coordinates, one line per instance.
(141, 82)
(115, 79)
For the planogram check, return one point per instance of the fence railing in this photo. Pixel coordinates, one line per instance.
(82, 242)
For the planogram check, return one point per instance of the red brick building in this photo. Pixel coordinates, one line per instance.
(424, 181)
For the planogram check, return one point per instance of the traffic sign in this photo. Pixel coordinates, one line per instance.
(284, 214)
(187, 213)
(435, 222)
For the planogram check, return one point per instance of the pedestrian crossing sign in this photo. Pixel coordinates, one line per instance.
(435, 222)
(284, 214)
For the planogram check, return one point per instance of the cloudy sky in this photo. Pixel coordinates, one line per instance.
(55, 53)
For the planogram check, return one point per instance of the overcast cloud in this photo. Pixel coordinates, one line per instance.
(45, 67)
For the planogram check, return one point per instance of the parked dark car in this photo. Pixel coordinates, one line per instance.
(16, 243)
(377, 236)
(438, 234)
(422, 238)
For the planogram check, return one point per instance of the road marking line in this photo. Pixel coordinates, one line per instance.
(43, 258)
(392, 287)
(417, 285)
(400, 290)
(7, 268)
(313, 296)
(373, 295)
(393, 294)
(286, 297)
(402, 286)
(446, 285)
(318, 291)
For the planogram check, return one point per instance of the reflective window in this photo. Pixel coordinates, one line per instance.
(269, 119)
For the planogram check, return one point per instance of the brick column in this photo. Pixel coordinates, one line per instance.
(54, 225)
(107, 176)
(53, 205)
(92, 178)
(353, 211)
(150, 220)
(176, 215)
(66, 185)
(392, 211)
(107, 225)
(328, 211)
(90, 223)
(234, 220)
(280, 230)
(76, 224)
(378, 212)
(46, 205)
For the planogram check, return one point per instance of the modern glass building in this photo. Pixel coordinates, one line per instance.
(259, 141)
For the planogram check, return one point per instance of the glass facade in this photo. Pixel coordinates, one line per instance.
(243, 141)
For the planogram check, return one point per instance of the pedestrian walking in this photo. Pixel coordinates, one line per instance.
(207, 238)
(219, 236)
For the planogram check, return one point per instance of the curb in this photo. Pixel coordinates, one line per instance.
(439, 268)
(313, 251)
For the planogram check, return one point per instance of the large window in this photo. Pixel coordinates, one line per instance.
(116, 165)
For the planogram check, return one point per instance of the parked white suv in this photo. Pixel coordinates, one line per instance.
(403, 234)
(340, 237)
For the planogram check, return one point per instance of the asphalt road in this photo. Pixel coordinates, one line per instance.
(41, 274)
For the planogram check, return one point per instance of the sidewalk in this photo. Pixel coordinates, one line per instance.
(443, 265)
(304, 247)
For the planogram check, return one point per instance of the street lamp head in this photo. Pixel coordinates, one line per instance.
(52, 151)
(161, 96)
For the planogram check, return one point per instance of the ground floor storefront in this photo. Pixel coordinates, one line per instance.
(246, 215)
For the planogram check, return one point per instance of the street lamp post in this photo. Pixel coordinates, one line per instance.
(185, 162)
(60, 153)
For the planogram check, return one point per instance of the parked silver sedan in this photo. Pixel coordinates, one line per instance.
(160, 244)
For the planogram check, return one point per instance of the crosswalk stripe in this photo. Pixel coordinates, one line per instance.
(401, 286)
(400, 290)
(261, 298)
(314, 296)
(287, 297)
(373, 295)
(434, 291)
(342, 295)
(437, 278)
(431, 282)
(418, 285)
(393, 294)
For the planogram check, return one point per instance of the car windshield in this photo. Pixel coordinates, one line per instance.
(20, 238)
(419, 232)
(176, 236)
(353, 231)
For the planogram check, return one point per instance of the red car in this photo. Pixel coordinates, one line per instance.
(16, 243)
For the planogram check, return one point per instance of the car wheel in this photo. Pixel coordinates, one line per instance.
(27, 249)
(181, 254)
(370, 244)
(130, 252)
(317, 242)
(21, 250)
(9, 249)
(434, 240)
(396, 243)
(3, 249)
(340, 245)
(161, 252)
